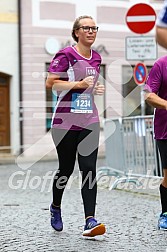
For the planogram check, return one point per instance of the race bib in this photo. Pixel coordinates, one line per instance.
(81, 103)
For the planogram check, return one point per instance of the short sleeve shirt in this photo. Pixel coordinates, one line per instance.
(157, 83)
(71, 66)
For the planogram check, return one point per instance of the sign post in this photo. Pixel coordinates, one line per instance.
(140, 75)
(141, 48)
(140, 19)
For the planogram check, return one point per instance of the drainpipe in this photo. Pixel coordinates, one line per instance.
(20, 76)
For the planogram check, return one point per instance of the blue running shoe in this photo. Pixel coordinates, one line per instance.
(162, 222)
(56, 220)
(92, 228)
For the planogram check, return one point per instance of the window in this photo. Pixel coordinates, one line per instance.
(135, 98)
(51, 100)
(157, 1)
(100, 100)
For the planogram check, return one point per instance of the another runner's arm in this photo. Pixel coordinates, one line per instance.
(54, 81)
(152, 87)
(155, 101)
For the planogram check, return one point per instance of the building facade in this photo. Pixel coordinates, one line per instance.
(9, 78)
(44, 28)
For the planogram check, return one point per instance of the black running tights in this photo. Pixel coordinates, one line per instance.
(84, 144)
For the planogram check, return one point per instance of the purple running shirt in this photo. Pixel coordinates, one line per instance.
(157, 83)
(75, 108)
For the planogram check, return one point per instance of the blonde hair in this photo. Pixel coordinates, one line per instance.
(76, 25)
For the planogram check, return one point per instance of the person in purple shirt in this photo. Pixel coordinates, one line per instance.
(73, 73)
(156, 95)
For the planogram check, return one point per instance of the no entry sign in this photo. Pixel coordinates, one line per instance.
(140, 18)
(140, 73)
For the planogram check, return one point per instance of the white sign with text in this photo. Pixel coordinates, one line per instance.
(141, 48)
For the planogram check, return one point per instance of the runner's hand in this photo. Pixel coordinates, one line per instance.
(99, 89)
(87, 82)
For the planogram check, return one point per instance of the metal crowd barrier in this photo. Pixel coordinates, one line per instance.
(130, 149)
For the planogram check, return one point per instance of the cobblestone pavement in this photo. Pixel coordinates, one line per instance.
(130, 217)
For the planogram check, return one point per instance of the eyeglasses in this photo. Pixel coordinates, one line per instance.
(87, 28)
